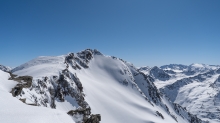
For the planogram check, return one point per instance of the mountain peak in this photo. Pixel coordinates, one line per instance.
(198, 65)
(90, 82)
(4, 68)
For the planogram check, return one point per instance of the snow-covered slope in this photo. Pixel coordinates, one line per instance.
(111, 87)
(14, 111)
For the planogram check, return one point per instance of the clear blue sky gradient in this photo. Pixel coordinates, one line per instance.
(144, 32)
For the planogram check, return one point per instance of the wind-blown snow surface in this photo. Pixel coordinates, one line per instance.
(112, 88)
(14, 111)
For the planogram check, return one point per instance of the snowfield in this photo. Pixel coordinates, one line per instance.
(116, 102)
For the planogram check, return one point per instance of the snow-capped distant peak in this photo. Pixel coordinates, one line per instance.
(5, 68)
(174, 67)
(144, 68)
(159, 74)
(197, 65)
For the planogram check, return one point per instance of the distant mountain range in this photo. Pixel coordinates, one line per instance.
(195, 87)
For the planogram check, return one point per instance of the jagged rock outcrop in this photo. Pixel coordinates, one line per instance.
(94, 118)
(86, 115)
(23, 82)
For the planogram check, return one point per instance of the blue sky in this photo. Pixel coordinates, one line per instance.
(144, 32)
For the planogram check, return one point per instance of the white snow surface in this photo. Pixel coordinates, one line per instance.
(14, 111)
(41, 66)
(115, 102)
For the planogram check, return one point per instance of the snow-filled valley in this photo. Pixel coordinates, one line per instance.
(89, 87)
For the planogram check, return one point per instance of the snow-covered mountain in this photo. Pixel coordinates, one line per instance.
(174, 67)
(189, 70)
(155, 72)
(87, 87)
(159, 74)
(144, 69)
(4, 68)
(195, 87)
(199, 68)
